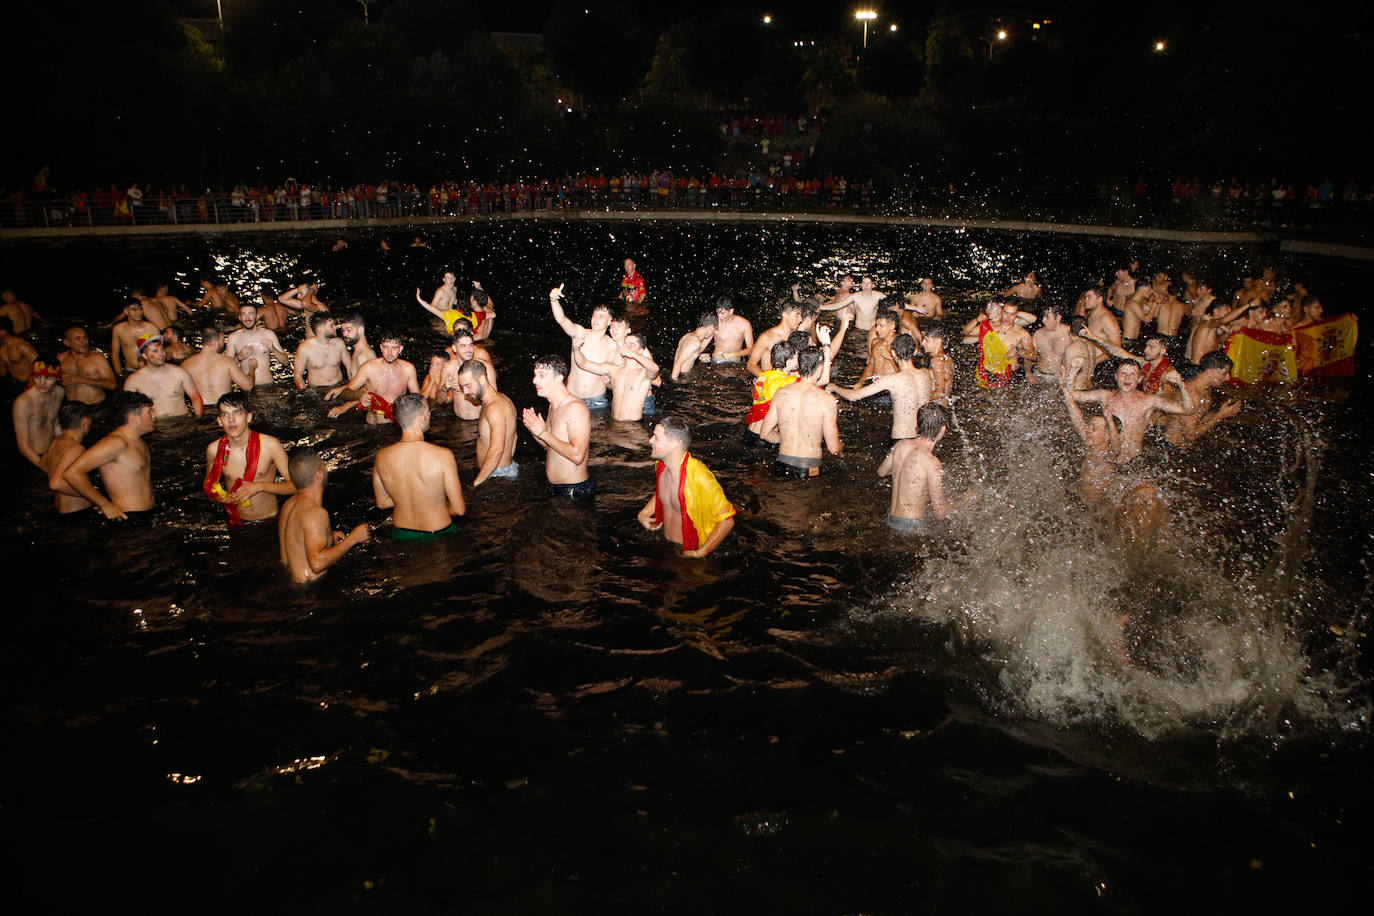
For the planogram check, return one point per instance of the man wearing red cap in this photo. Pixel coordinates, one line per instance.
(169, 386)
(35, 411)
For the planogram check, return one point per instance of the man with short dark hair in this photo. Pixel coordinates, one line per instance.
(73, 423)
(1133, 407)
(308, 546)
(1214, 372)
(693, 345)
(242, 467)
(250, 342)
(124, 338)
(595, 344)
(565, 435)
(416, 479)
(214, 373)
(495, 423)
(803, 416)
(688, 505)
(123, 460)
(1050, 343)
(908, 387)
(321, 358)
(917, 475)
(463, 348)
(789, 318)
(383, 380)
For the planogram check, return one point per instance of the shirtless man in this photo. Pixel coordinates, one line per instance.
(432, 387)
(926, 303)
(918, 478)
(250, 342)
(496, 427)
(803, 416)
(734, 333)
(169, 386)
(86, 373)
(1097, 473)
(170, 304)
(17, 355)
(308, 546)
(1028, 288)
(174, 344)
(21, 315)
(1214, 372)
(1122, 288)
(631, 374)
(1101, 320)
(692, 347)
(880, 360)
(123, 460)
(1154, 365)
(322, 357)
(865, 302)
(73, 423)
(152, 309)
(1169, 310)
(1132, 407)
(242, 467)
(353, 330)
(1000, 341)
(214, 373)
(444, 303)
(565, 435)
(418, 479)
(1050, 343)
(789, 317)
(1201, 302)
(384, 380)
(1140, 308)
(1079, 357)
(217, 296)
(463, 349)
(941, 366)
(124, 339)
(596, 347)
(303, 298)
(687, 505)
(844, 295)
(35, 412)
(909, 387)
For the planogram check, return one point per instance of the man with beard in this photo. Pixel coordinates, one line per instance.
(250, 342)
(463, 349)
(214, 373)
(496, 426)
(382, 380)
(321, 357)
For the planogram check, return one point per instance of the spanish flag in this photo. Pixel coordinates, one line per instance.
(1327, 348)
(1262, 357)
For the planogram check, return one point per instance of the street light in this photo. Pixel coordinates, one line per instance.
(1159, 47)
(767, 20)
(892, 28)
(992, 42)
(865, 16)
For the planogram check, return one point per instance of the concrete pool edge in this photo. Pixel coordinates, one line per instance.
(1352, 252)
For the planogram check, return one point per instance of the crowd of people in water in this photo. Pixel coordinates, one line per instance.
(1128, 354)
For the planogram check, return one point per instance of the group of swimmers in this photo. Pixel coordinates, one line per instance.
(611, 366)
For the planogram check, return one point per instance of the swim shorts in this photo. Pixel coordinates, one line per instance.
(792, 466)
(411, 534)
(508, 471)
(599, 402)
(650, 405)
(916, 525)
(577, 492)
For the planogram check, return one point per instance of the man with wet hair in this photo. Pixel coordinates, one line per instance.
(245, 470)
(926, 303)
(443, 304)
(218, 297)
(124, 339)
(1077, 361)
(910, 388)
(496, 426)
(918, 478)
(250, 342)
(687, 505)
(1122, 288)
(1098, 473)
(766, 384)
(463, 349)
(432, 387)
(789, 317)
(416, 479)
(1050, 343)
(321, 358)
(941, 365)
(304, 297)
(1132, 407)
(880, 360)
(35, 411)
(596, 346)
(308, 546)
(1100, 319)
(1154, 365)
(692, 346)
(631, 373)
(86, 374)
(123, 460)
(1214, 372)
(565, 435)
(804, 416)
(1027, 288)
(353, 330)
(382, 380)
(169, 386)
(996, 367)
(734, 334)
(214, 373)
(73, 424)
(865, 302)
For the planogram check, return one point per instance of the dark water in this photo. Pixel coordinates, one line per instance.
(556, 713)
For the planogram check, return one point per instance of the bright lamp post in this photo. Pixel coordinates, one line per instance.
(865, 16)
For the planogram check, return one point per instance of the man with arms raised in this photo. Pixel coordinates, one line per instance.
(1214, 372)
(321, 358)
(495, 423)
(631, 374)
(250, 342)
(565, 435)
(169, 386)
(303, 298)
(242, 467)
(909, 387)
(74, 423)
(804, 417)
(123, 460)
(693, 345)
(918, 477)
(1132, 407)
(688, 505)
(419, 481)
(86, 373)
(1154, 365)
(124, 339)
(1050, 343)
(383, 380)
(35, 412)
(734, 334)
(597, 347)
(1077, 361)
(308, 546)
(214, 373)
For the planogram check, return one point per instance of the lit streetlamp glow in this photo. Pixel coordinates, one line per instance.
(1159, 47)
(892, 28)
(767, 20)
(865, 16)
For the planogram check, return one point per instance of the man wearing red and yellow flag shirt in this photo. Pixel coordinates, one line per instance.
(688, 504)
